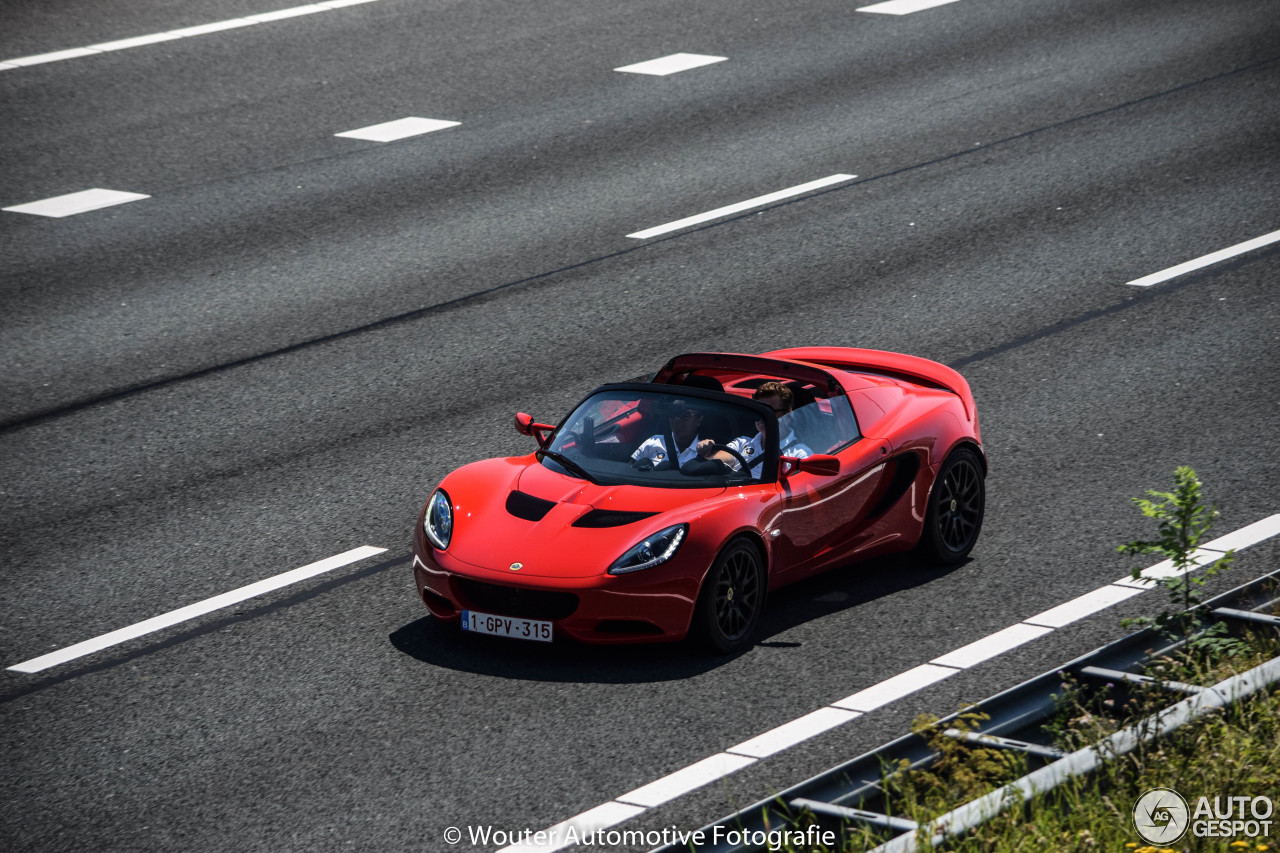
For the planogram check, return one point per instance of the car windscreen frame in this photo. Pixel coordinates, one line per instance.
(757, 410)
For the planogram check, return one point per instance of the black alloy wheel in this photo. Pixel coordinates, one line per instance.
(732, 598)
(956, 507)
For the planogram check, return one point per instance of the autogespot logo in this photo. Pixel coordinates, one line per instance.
(1161, 816)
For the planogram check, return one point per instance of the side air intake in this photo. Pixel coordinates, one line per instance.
(610, 518)
(528, 507)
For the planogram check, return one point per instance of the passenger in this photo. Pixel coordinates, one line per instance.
(778, 397)
(683, 421)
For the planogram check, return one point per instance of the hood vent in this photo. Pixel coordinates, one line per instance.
(610, 518)
(528, 507)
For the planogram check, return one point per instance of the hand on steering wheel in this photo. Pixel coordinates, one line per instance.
(746, 467)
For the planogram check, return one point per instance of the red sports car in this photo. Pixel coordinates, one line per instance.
(668, 508)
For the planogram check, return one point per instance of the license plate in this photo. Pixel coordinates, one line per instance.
(506, 626)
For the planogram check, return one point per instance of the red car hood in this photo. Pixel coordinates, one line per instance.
(487, 534)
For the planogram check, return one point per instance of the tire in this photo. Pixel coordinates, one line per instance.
(732, 598)
(956, 506)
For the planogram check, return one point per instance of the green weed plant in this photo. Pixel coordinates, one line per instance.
(1183, 521)
(1235, 749)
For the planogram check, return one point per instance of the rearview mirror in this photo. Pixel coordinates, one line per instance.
(525, 425)
(819, 464)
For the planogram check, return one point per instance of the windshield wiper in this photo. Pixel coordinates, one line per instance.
(571, 465)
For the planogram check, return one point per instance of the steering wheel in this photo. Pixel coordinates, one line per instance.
(746, 466)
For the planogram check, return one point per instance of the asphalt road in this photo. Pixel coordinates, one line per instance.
(273, 358)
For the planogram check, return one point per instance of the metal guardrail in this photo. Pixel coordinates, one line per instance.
(851, 793)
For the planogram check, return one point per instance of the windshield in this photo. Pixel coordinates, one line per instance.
(649, 436)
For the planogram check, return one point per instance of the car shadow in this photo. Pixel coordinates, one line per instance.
(846, 587)
(439, 644)
(434, 642)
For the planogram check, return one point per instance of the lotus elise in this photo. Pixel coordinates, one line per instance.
(671, 508)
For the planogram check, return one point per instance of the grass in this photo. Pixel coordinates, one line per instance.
(1231, 752)
(1234, 751)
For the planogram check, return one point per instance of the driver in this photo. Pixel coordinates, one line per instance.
(778, 397)
(681, 439)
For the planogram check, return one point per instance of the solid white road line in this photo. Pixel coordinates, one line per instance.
(760, 201)
(401, 128)
(903, 7)
(73, 203)
(170, 35)
(836, 714)
(191, 611)
(1207, 260)
(673, 64)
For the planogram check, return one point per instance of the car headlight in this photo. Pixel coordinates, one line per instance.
(654, 550)
(438, 521)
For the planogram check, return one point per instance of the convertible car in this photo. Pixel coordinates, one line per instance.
(673, 507)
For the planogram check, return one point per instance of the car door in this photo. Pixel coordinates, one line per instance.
(823, 518)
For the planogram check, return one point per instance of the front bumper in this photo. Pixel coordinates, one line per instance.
(654, 605)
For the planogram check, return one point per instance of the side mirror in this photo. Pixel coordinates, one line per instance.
(819, 464)
(525, 425)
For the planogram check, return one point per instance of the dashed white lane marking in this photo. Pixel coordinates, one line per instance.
(1238, 540)
(1085, 605)
(673, 64)
(893, 689)
(401, 128)
(170, 35)
(1148, 576)
(55, 56)
(73, 203)
(136, 41)
(1207, 260)
(718, 766)
(992, 645)
(759, 201)
(903, 7)
(688, 779)
(562, 834)
(215, 27)
(191, 611)
(282, 14)
(789, 734)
